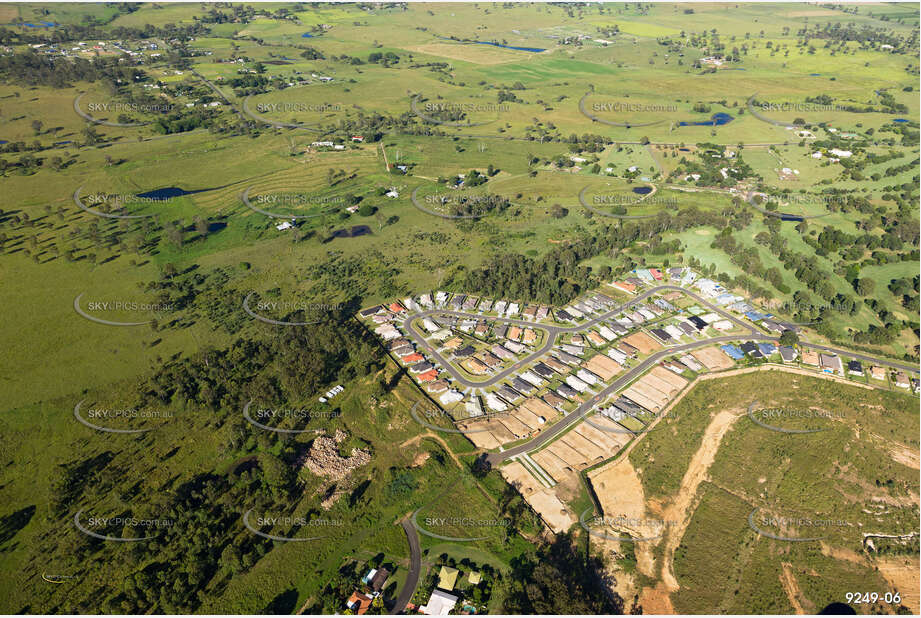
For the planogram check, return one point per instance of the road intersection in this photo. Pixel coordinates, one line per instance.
(552, 331)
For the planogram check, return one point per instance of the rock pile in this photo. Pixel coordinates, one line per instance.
(324, 460)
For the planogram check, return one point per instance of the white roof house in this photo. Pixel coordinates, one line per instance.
(576, 383)
(531, 378)
(495, 403)
(451, 396)
(440, 604)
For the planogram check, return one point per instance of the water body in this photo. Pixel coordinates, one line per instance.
(900, 120)
(814, 74)
(685, 149)
(41, 24)
(716, 120)
(3, 141)
(642, 190)
(788, 217)
(63, 143)
(307, 35)
(357, 230)
(168, 193)
(527, 49)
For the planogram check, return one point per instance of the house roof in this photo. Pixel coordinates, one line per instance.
(474, 577)
(440, 604)
(447, 578)
(359, 600)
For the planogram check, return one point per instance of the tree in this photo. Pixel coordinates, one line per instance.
(789, 337)
(865, 286)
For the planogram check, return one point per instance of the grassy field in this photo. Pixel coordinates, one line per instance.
(198, 254)
(785, 476)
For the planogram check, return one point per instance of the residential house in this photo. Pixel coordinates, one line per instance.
(439, 386)
(440, 603)
(531, 378)
(428, 376)
(359, 603)
(508, 393)
(854, 368)
(554, 401)
(831, 363)
(690, 362)
(543, 370)
(733, 351)
(494, 402)
(452, 396)
(566, 391)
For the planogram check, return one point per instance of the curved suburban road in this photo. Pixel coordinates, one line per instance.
(585, 408)
(550, 330)
(415, 567)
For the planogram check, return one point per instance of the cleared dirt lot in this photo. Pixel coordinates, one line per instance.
(643, 342)
(555, 514)
(902, 573)
(712, 358)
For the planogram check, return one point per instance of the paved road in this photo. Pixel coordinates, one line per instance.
(581, 411)
(588, 406)
(551, 330)
(863, 357)
(415, 567)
